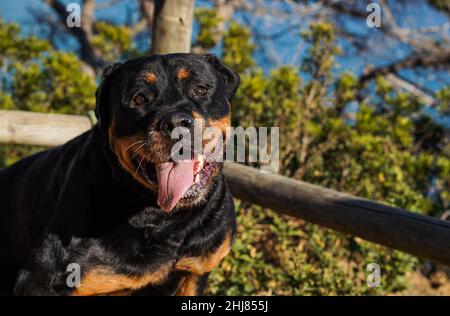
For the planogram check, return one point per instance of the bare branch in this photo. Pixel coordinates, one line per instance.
(412, 61)
(147, 9)
(83, 34)
(404, 84)
(87, 16)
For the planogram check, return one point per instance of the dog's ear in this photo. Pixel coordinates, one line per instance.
(230, 78)
(102, 107)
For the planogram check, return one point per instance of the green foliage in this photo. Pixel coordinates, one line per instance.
(237, 48)
(322, 50)
(54, 83)
(443, 97)
(115, 42)
(278, 255)
(208, 23)
(16, 48)
(37, 78)
(34, 77)
(387, 149)
(237, 45)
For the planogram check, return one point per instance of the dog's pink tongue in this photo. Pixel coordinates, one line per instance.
(174, 179)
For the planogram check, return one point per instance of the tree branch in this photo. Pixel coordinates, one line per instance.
(405, 84)
(147, 10)
(412, 61)
(82, 34)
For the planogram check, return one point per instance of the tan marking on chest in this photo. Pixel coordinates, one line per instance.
(204, 264)
(101, 281)
(188, 286)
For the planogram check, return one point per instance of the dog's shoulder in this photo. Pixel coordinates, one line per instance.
(47, 160)
(32, 186)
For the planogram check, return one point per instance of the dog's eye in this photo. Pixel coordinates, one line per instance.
(139, 99)
(200, 91)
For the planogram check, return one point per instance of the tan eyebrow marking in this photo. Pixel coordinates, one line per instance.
(183, 73)
(150, 77)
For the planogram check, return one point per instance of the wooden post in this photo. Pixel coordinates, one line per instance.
(172, 26)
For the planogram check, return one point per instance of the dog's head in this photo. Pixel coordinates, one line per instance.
(141, 102)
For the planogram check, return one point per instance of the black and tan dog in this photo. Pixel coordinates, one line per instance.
(113, 202)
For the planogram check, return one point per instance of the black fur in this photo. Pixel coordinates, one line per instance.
(76, 204)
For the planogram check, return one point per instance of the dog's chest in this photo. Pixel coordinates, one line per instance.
(173, 253)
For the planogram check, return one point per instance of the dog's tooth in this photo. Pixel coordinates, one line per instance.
(199, 163)
(197, 168)
(202, 161)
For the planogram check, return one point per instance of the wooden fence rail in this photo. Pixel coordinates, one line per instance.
(420, 235)
(40, 129)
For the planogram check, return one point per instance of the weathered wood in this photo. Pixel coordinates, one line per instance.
(420, 235)
(40, 129)
(172, 26)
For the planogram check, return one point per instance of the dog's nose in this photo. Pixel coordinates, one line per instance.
(171, 121)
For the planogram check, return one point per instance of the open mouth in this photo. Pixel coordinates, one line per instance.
(184, 179)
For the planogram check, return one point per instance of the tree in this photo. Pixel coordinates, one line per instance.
(172, 26)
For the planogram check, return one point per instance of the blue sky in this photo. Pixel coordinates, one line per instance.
(17, 10)
(420, 15)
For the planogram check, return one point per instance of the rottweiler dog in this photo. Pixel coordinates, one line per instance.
(111, 204)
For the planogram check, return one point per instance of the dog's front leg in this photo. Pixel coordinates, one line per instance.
(101, 271)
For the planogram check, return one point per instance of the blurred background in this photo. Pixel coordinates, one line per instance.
(363, 110)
